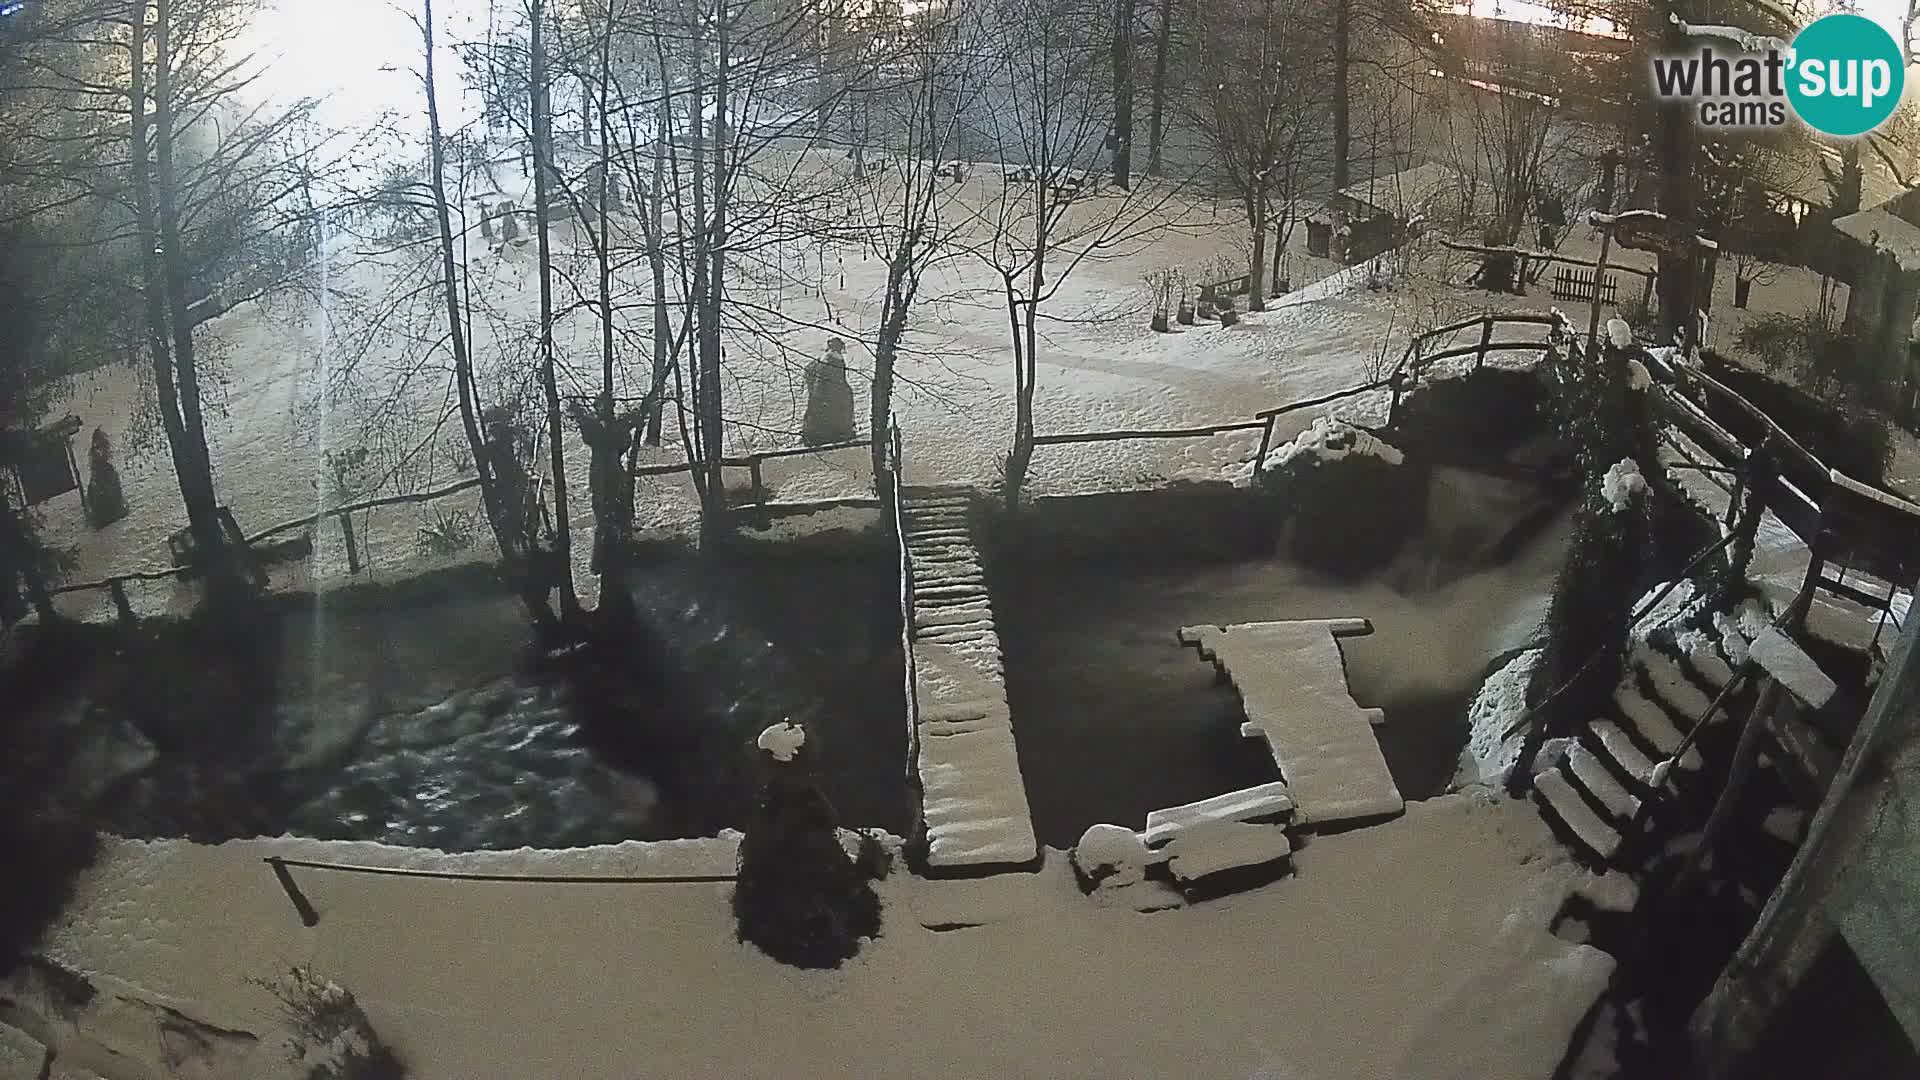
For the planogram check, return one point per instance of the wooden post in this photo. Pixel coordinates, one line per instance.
(1486, 338)
(1599, 269)
(121, 608)
(760, 517)
(1266, 442)
(1646, 291)
(353, 548)
(1788, 936)
(308, 916)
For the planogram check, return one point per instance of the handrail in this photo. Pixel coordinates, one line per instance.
(310, 916)
(1147, 433)
(896, 487)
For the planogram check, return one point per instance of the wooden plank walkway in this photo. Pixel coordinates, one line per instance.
(1293, 683)
(972, 798)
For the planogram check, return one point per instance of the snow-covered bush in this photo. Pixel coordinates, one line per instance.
(1344, 500)
(43, 855)
(331, 1039)
(1621, 483)
(798, 895)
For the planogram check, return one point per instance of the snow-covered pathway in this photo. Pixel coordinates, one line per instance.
(1413, 949)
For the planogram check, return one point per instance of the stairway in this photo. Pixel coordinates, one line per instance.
(1600, 797)
(973, 800)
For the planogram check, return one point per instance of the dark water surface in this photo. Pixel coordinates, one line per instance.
(422, 724)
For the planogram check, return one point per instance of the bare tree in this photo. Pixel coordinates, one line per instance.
(1256, 92)
(1046, 110)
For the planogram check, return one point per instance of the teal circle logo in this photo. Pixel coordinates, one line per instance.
(1846, 75)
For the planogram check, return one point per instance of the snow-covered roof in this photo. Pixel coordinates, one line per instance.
(1880, 230)
(1404, 194)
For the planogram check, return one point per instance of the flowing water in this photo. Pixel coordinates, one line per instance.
(1115, 717)
(413, 725)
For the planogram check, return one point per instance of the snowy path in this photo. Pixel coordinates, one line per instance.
(1415, 949)
(1294, 684)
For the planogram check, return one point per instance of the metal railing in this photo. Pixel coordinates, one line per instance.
(896, 500)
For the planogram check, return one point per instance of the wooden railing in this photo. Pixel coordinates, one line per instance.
(1406, 372)
(895, 487)
(753, 463)
(1527, 259)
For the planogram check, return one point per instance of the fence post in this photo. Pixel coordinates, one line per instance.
(308, 916)
(1266, 443)
(353, 547)
(121, 608)
(760, 515)
(1486, 338)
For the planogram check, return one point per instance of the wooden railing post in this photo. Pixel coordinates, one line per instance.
(308, 916)
(1266, 444)
(1486, 338)
(760, 517)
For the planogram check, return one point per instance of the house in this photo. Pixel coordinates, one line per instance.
(1377, 213)
(1883, 251)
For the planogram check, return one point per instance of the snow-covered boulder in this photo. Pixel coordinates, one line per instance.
(1110, 856)
(1502, 699)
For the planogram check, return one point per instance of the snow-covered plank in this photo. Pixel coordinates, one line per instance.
(1265, 800)
(1796, 671)
(1593, 775)
(1566, 804)
(1293, 684)
(1226, 846)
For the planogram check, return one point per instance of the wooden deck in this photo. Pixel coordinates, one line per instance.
(1293, 683)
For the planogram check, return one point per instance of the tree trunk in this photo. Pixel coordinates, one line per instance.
(176, 375)
(893, 324)
(542, 214)
(710, 415)
(657, 263)
(1673, 156)
(1257, 264)
(1160, 50)
(512, 551)
(1123, 94)
(1342, 121)
(612, 484)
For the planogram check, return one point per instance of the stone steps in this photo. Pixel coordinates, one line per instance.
(1562, 805)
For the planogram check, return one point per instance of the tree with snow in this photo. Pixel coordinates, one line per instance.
(798, 895)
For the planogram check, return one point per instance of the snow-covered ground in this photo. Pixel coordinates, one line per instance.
(1414, 949)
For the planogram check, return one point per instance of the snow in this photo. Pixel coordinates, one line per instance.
(1332, 439)
(1501, 701)
(1388, 931)
(1796, 670)
(1621, 483)
(1225, 845)
(1293, 683)
(1638, 377)
(1746, 39)
(1264, 800)
(783, 740)
(1619, 334)
(1115, 850)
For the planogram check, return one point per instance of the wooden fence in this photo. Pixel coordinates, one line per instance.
(1530, 264)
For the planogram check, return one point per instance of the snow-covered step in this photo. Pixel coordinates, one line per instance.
(1593, 775)
(1559, 799)
(22, 1055)
(1653, 724)
(924, 617)
(1623, 751)
(1671, 683)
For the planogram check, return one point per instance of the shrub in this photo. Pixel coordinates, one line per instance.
(44, 854)
(798, 896)
(1346, 516)
(332, 1038)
